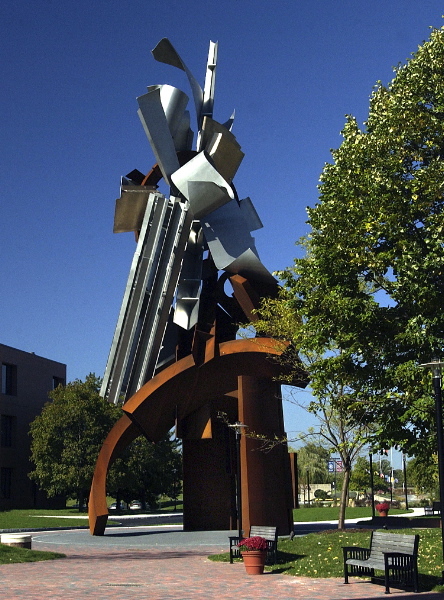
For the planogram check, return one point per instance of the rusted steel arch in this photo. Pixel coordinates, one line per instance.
(176, 392)
(120, 436)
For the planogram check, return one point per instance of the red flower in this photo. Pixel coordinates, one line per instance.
(253, 543)
(382, 506)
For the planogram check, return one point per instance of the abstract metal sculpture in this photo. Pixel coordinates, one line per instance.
(175, 359)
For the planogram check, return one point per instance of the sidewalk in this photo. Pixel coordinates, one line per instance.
(162, 563)
(148, 519)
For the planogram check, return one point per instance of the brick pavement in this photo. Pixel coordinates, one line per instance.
(162, 573)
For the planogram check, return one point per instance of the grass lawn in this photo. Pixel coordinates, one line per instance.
(35, 518)
(331, 513)
(46, 518)
(11, 554)
(39, 518)
(320, 554)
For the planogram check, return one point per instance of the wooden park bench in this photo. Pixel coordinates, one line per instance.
(435, 508)
(269, 533)
(394, 553)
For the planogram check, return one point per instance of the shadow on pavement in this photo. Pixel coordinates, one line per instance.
(126, 534)
(413, 596)
(136, 555)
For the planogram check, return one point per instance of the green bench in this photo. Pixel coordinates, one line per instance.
(269, 533)
(394, 553)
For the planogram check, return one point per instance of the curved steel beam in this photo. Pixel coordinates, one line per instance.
(122, 434)
(177, 391)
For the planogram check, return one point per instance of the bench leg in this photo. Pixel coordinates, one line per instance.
(386, 578)
(415, 581)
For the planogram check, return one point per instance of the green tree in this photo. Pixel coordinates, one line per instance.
(67, 436)
(368, 293)
(424, 476)
(360, 476)
(373, 277)
(321, 494)
(146, 471)
(313, 458)
(332, 386)
(340, 435)
(362, 307)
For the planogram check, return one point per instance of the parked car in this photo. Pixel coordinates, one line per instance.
(113, 506)
(135, 505)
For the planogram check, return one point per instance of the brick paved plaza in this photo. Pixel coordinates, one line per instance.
(161, 564)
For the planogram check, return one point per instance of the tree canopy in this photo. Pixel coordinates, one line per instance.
(146, 470)
(313, 458)
(66, 440)
(424, 476)
(367, 295)
(362, 307)
(67, 437)
(360, 477)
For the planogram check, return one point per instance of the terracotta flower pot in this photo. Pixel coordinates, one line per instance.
(383, 513)
(254, 561)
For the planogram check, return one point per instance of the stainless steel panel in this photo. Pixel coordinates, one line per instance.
(210, 81)
(165, 52)
(155, 318)
(156, 127)
(225, 155)
(188, 290)
(174, 103)
(129, 311)
(183, 138)
(202, 185)
(227, 234)
(249, 214)
(210, 127)
(249, 266)
(148, 297)
(130, 210)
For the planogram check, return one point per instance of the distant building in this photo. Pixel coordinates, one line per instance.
(25, 380)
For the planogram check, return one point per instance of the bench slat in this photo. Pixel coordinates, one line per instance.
(267, 532)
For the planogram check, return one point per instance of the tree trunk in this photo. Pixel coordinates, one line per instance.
(344, 496)
(81, 500)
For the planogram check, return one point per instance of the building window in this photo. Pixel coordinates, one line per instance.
(56, 381)
(5, 482)
(9, 379)
(7, 431)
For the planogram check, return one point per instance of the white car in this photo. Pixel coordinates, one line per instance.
(135, 505)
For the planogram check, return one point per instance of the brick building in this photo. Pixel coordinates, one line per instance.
(25, 380)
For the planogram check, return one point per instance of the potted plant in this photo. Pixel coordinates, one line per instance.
(254, 553)
(383, 508)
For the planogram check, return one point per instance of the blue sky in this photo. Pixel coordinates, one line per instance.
(71, 72)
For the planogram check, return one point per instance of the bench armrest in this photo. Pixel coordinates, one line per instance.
(355, 552)
(234, 550)
(399, 559)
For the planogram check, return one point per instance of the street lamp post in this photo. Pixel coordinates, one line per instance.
(238, 426)
(436, 367)
(372, 485)
(404, 470)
